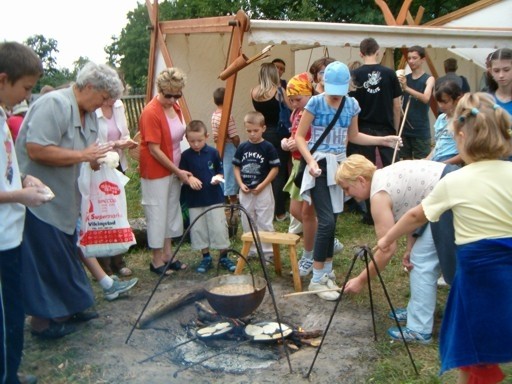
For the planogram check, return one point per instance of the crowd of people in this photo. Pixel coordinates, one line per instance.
(342, 123)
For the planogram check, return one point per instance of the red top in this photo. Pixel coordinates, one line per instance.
(14, 123)
(154, 128)
(295, 118)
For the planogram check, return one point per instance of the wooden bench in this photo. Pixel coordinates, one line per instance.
(276, 239)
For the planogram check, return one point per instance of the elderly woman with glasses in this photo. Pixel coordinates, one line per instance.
(162, 128)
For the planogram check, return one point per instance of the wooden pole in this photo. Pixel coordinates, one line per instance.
(401, 129)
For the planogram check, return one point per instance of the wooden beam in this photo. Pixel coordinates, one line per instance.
(241, 25)
(388, 16)
(461, 12)
(404, 10)
(153, 20)
(203, 25)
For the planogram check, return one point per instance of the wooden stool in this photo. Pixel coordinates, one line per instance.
(275, 238)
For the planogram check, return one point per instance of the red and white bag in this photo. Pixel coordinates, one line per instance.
(104, 230)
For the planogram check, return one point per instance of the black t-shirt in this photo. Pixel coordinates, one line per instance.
(377, 86)
(255, 161)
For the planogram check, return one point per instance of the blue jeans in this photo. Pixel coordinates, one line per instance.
(423, 283)
(12, 315)
(324, 239)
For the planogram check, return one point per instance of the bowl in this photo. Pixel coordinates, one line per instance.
(235, 296)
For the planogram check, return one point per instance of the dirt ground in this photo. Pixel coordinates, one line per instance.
(105, 357)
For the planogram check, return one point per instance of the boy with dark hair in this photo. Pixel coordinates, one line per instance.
(378, 93)
(232, 142)
(450, 69)
(20, 69)
(201, 191)
(418, 87)
(256, 164)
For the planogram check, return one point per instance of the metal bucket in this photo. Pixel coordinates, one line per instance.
(235, 305)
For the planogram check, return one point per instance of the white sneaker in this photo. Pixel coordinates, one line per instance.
(322, 285)
(331, 283)
(441, 282)
(305, 266)
(338, 247)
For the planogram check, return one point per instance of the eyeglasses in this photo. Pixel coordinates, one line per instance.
(170, 96)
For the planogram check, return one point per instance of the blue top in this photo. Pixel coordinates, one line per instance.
(203, 165)
(446, 147)
(335, 142)
(255, 161)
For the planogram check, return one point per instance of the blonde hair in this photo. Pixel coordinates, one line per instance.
(486, 126)
(268, 79)
(170, 78)
(353, 167)
(254, 117)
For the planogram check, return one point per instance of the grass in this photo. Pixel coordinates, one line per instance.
(392, 365)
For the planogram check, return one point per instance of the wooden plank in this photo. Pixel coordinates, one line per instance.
(273, 237)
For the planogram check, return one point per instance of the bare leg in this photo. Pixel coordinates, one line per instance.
(309, 224)
(92, 264)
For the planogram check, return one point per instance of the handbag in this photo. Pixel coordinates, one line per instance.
(302, 165)
(284, 124)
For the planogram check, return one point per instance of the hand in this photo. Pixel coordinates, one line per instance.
(183, 175)
(391, 141)
(406, 261)
(292, 145)
(284, 144)
(125, 144)
(31, 181)
(195, 183)
(257, 190)
(96, 151)
(383, 244)
(217, 179)
(33, 196)
(354, 286)
(313, 168)
(244, 188)
(403, 82)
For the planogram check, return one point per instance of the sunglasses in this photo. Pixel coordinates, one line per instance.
(170, 96)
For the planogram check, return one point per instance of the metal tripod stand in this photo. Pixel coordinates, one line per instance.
(365, 253)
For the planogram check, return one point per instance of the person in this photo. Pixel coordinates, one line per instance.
(317, 70)
(256, 164)
(281, 69)
(58, 134)
(202, 191)
(500, 67)
(299, 91)
(20, 70)
(14, 121)
(393, 190)
(378, 93)
(318, 185)
(417, 87)
(265, 99)
(450, 69)
(445, 150)
(232, 142)
(475, 333)
(113, 127)
(162, 129)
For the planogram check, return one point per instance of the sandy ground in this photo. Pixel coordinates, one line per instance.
(345, 357)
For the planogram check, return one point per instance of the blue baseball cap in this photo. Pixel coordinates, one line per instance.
(336, 79)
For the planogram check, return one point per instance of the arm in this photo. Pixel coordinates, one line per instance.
(238, 178)
(159, 155)
(32, 194)
(300, 141)
(236, 140)
(423, 97)
(457, 160)
(53, 155)
(382, 213)
(413, 219)
(271, 176)
(356, 137)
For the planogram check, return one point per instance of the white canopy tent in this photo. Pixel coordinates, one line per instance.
(202, 49)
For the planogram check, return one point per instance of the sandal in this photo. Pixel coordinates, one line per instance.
(82, 317)
(160, 270)
(178, 266)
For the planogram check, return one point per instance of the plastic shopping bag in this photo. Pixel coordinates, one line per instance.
(105, 230)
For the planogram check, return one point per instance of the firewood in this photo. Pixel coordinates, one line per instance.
(308, 334)
(183, 298)
(311, 342)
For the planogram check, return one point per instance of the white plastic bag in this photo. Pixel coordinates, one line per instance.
(105, 230)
